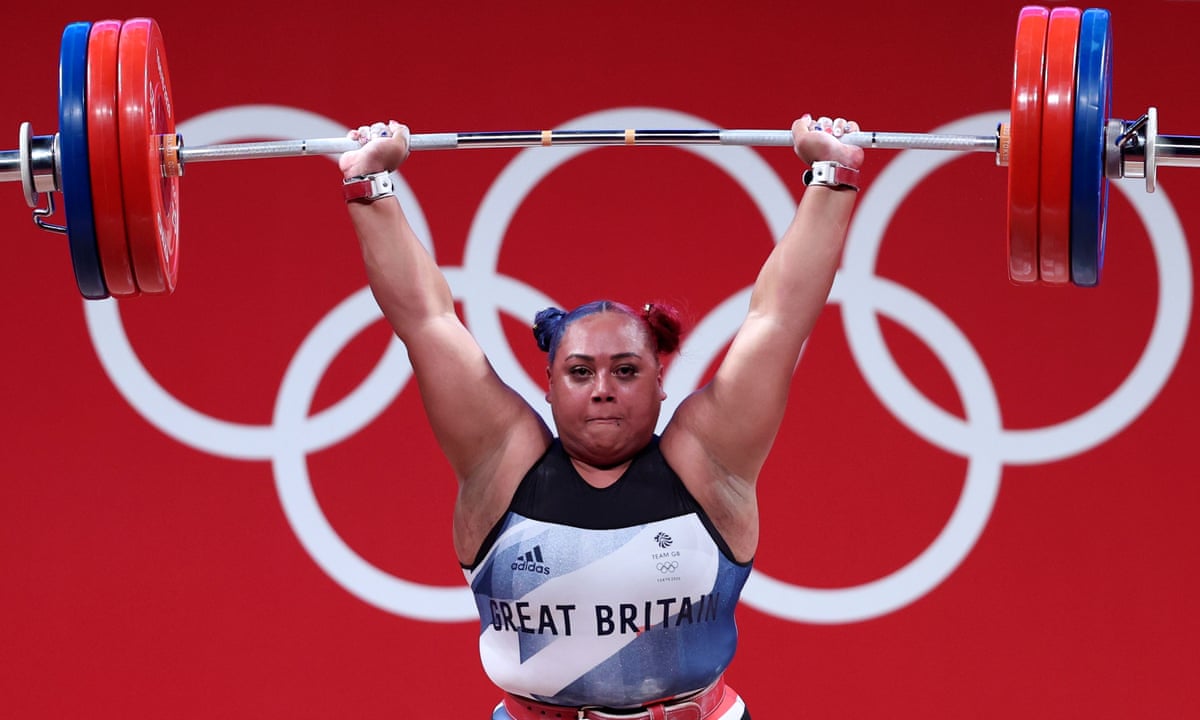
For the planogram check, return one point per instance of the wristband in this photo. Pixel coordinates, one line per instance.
(831, 174)
(368, 188)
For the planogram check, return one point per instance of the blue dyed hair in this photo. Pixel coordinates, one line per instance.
(661, 322)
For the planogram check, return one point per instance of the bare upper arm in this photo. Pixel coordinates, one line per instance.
(482, 425)
(735, 417)
(719, 438)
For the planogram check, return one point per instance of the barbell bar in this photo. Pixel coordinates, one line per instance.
(548, 138)
(117, 159)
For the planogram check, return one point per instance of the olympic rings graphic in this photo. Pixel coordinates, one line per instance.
(667, 567)
(980, 436)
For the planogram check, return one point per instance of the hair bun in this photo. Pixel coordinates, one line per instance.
(546, 325)
(665, 323)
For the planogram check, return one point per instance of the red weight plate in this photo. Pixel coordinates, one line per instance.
(1058, 142)
(104, 159)
(146, 114)
(1025, 128)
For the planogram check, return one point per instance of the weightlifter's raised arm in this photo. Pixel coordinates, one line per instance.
(487, 431)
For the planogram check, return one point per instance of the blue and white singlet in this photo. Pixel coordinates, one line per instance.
(615, 597)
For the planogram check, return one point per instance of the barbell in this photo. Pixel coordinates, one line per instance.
(117, 159)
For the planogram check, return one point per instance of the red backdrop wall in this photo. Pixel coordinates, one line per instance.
(226, 503)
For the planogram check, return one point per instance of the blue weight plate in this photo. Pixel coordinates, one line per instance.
(1089, 186)
(73, 158)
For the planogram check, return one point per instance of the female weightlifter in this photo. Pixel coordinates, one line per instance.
(606, 560)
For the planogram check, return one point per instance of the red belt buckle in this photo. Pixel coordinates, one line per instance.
(687, 710)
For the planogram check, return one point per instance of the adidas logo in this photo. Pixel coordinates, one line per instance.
(532, 562)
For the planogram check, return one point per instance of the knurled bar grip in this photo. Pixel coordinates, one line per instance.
(543, 138)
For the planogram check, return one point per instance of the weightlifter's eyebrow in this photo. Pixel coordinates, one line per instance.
(589, 358)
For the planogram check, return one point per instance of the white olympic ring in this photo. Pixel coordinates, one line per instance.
(980, 438)
(1054, 442)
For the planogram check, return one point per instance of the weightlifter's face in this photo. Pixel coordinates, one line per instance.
(605, 388)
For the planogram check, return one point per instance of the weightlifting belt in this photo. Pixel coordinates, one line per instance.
(699, 706)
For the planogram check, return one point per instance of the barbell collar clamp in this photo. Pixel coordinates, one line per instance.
(34, 163)
(1114, 161)
(1143, 150)
(1150, 142)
